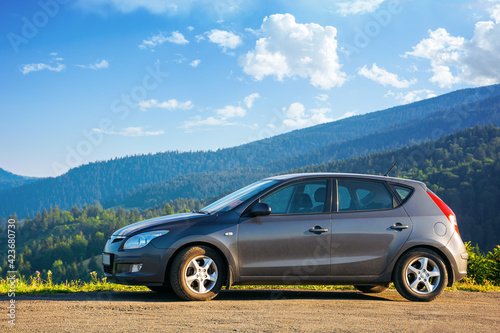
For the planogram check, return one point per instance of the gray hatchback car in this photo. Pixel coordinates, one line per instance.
(317, 228)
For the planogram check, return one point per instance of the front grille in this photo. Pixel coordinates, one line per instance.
(108, 269)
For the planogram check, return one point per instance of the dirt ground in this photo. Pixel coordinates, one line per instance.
(255, 310)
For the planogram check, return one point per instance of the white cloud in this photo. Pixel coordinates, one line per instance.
(131, 131)
(412, 96)
(495, 13)
(28, 68)
(250, 99)
(98, 65)
(190, 28)
(296, 111)
(222, 115)
(358, 6)
(225, 39)
(380, 75)
(195, 63)
(210, 121)
(443, 76)
(153, 41)
(298, 117)
(322, 97)
(253, 32)
(175, 37)
(230, 111)
(456, 59)
(290, 49)
(171, 104)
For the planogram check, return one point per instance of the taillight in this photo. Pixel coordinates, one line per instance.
(445, 209)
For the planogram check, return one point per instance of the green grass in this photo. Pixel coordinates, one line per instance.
(35, 285)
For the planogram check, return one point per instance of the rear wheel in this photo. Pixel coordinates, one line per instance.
(420, 275)
(373, 289)
(197, 274)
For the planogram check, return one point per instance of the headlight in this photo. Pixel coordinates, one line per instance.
(141, 240)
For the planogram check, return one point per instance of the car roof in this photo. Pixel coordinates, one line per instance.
(293, 176)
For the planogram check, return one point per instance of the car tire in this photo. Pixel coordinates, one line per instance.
(197, 274)
(420, 275)
(161, 289)
(373, 289)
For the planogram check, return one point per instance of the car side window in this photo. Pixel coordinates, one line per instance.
(298, 198)
(345, 200)
(359, 195)
(403, 192)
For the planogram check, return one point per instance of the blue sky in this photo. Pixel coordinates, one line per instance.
(83, 81)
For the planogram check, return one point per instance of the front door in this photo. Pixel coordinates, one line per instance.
(294, 240)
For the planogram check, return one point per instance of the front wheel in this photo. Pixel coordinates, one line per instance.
(197, 274)
(420, 275)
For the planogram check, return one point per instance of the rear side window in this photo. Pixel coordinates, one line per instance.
(402, 192)
(359, 195)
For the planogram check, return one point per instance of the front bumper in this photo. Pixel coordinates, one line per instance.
(153, 260)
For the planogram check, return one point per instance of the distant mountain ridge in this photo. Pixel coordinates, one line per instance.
(463, 168)
(113, 181)
(215, 184)
(9, 180)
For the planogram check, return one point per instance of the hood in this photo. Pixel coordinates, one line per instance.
(154, 224)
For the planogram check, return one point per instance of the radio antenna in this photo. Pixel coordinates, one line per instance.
(392, 167)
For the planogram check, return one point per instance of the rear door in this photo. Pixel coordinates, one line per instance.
(368, 228)
(285, 243)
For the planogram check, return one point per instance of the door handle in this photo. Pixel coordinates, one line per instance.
(398, 226)
(318, 229)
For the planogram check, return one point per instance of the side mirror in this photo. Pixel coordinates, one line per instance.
(260, 209)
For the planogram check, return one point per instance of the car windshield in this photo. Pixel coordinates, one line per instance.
(234, 199)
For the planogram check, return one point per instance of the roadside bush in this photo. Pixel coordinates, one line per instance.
(483, 269)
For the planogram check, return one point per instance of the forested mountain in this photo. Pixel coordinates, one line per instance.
(463, 168)
(69, 242)
(203, 185)
(10, 180)
(115, 180)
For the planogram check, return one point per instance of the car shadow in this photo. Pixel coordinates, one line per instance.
(224, 295)
(280, 294)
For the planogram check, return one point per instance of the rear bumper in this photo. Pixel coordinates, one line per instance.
(458, 257)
